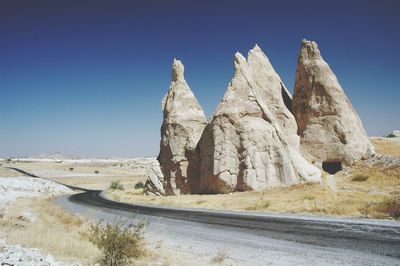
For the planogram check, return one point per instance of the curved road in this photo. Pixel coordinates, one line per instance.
(323, 240)
(253, 239)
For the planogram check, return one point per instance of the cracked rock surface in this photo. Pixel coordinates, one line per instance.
(329, 127)
(251, 143)
(183, 124)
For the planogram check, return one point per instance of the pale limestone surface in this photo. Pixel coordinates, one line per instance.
(183, 124)
(329, 127)
(251, 143)
(155, 181)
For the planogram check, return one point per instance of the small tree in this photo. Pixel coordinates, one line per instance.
(139, 185)
(391, 135)
(119, 242)
(116, 185)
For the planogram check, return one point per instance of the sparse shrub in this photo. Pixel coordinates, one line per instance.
(96, 171)
(259, 205)
(116, 197)
(365, 209)
(71, 169)
(309, 197)
(200, 202)
(139, 185)
(391, 206)
(219, 257)
(116, 185)
(359, 178)
(119, 242)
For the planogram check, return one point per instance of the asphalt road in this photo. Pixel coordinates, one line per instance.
(256, 239)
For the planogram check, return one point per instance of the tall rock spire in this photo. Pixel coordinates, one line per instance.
(183, 124)
(251, 143)
(329, 127)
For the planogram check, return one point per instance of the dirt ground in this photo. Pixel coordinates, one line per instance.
(87, 174)
(357, 191)
(39, 223)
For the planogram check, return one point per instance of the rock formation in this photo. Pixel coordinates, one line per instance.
(155, 181)
(251, 142)
(329, 127)
(183, 124)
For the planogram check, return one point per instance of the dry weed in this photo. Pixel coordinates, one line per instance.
(219, 257)
(53, 231)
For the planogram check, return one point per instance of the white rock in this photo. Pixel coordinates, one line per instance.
(251, 142)
(155, 181)
(17, 255)
(12, 188)
(183, 124)
(329, 127)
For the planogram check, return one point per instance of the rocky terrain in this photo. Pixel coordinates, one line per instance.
(12, 189)
(258, 137)
(17, 255)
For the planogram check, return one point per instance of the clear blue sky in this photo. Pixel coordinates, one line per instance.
(87, 77)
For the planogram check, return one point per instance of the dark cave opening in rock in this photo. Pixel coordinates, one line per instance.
(332, 167)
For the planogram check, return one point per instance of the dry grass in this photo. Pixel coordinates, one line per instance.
(66, 236)
(359, 192)
(262, 205)
(386, 146)
(219, 257)
(52, 230)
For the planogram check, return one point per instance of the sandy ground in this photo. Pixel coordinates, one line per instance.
(90, 174)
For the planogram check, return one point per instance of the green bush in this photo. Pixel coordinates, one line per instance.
(119, 242)
(116, 185)
(139, 185)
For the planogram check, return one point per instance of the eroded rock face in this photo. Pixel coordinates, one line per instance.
(183, 124)
(155, 181)
(251, 142)
(329, 127)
